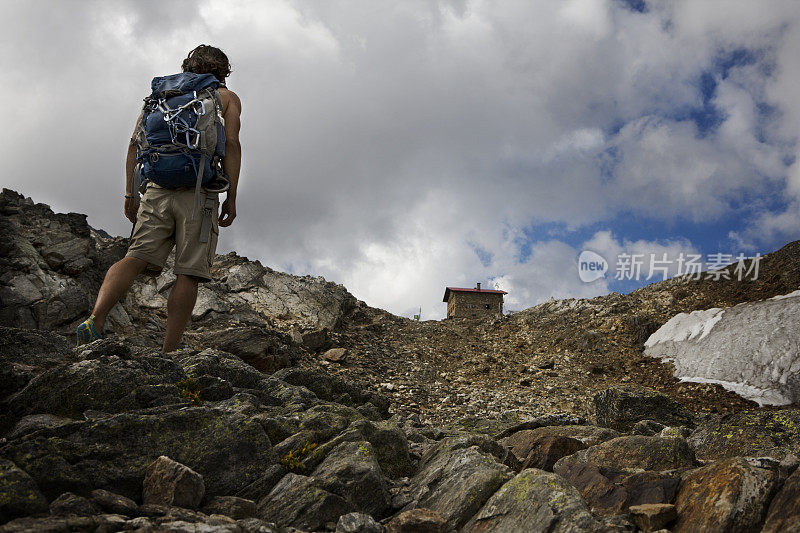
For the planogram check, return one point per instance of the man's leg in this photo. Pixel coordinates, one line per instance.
(119, 279)
(179, 309)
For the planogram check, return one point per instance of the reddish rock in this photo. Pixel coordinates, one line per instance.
(783, 515)
(168, 482)
(652, 516)
(335, 355)
(610, 491)
(729, 495)
(546, 451)
(417, 521)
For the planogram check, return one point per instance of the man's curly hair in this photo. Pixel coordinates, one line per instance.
(207, 59)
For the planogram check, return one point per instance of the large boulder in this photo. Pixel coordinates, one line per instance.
(19, 494)
(455, 482)
(113, 453)
(587, 434)
(168, 482)
(352, 471)
(417, 521)
(25, 354)
(751, 348)
(308, 301)
(541, 451)
(299, 502)
(534, 500)
(332, 388)
(621, 407)
(731, 495)
(783, 515)
(627, 471)
(219, 364)
(748, 433)
(634, 452)
(261, 347)
(109, 379)
(46, 259)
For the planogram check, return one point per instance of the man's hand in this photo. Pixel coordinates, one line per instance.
(228, 213)
(130, 209)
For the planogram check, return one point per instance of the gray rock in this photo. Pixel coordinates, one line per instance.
(114, 503)
(331, 388)
(229, 450)
(534, 500)
(264, 483)
(19, 495)
(24, 354)
(748, 433)
(352, 472)
(168, 482)
(69, 504)
(256, 525)
(59, 524)
(589, 435)
(647, 428)
(265, 349)
(620, 408)
(219, 364)
(730, 495)
(30, 423)
(554, 419)
(313, 341)
(455, 483)
(390, 446)
(232, 506)
(297, 501)
(106, 380)
(358, 523)
(47, 262)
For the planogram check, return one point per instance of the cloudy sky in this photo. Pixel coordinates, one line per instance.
(401, 147)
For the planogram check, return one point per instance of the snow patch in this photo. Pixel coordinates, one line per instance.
(762, 396)
(686, 326)
(794, 294)
(752, 349)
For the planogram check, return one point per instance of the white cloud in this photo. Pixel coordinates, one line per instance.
(383, 142)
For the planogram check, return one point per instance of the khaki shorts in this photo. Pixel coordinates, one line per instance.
(165, 220)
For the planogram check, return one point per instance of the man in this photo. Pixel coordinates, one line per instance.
(164, 219)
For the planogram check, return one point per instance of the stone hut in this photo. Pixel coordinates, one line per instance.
(477, 302)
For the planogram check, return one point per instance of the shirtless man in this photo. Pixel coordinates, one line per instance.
(163, 219)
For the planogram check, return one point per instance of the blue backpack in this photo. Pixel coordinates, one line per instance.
(181, 136)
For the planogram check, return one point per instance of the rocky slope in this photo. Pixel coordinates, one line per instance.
(294, 405)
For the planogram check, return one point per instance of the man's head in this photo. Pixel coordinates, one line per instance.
(207, 59)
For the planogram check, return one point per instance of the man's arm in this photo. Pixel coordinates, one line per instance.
(131, 194)
(232, 161)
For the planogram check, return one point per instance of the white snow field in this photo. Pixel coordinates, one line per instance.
(752, 349)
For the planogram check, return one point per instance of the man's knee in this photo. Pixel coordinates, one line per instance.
(187, 279)
(134, 263)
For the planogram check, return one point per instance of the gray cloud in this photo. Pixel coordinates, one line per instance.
(384, 141)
